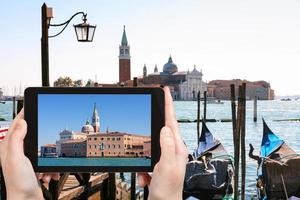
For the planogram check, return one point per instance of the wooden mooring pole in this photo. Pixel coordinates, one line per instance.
(255, 109)
(235, 142)
(243, 143)
(133, 186)
(205, 104)
(14, 114)
(198, 117)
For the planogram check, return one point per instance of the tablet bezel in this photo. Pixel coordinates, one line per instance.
(31, 117)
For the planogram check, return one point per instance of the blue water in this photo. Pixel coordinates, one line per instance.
(94, 162)
(270, 110)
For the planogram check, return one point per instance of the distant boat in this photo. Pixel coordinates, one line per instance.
(211, 100)
(2, 102)
(286, 99)
(278, 172)
(209, 173)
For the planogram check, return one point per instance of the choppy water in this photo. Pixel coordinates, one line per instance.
(270, 110)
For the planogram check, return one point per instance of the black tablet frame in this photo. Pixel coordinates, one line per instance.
(31, 117)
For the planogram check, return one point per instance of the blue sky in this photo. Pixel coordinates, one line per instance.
(124, 113)
(254, 40)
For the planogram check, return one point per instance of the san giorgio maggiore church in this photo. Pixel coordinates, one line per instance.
(184, 85)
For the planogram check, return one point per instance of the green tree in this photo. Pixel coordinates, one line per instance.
(63, 82)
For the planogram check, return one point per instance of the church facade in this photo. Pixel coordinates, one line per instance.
(184, 85)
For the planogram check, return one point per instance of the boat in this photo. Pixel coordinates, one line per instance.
(211, 100)
(286, 99)
(2, 102)
(278, 171)
(210, 171)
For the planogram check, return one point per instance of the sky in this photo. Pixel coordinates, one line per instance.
(117, 113)
(246, 39)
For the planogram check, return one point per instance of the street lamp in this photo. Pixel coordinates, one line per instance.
(84, 33)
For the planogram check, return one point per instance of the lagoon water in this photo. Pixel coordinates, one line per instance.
(270, 110)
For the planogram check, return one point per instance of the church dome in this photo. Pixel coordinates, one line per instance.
(170, 67)
(87, 128)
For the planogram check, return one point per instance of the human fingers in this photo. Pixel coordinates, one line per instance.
(16, 136)
(171, 122)
(167, 146)
(169, 111)
(144, 179)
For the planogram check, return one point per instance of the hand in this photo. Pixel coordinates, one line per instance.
(21, 182)
(168, 174)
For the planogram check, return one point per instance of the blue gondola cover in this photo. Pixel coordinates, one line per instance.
(206, 141)
(270, 141)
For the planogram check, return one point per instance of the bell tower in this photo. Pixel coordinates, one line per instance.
(95, 120)
(124, 59)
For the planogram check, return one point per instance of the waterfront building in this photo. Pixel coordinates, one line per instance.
(184, 85)
(48, 150)
(116, 144)
(67, 135)
(192, 85)
(124, 59)
(73, 148)
(220, 89)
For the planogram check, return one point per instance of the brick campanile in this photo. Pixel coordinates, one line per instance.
(124, 59)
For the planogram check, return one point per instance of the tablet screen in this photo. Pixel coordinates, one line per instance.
(94, 130)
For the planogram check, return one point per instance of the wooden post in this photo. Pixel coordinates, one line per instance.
(146, 192)
(243, 143)
(235, 141)
(14, 107)
(198, 117)
(135, 82)
(45, 48)
(255, 109)
(133, 188)
(205, 103)
(111, 187)
(122, 176)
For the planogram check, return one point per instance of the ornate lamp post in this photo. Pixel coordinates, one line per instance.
(84, 33)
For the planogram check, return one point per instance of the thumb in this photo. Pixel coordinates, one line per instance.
(17, 133)
(167, 145)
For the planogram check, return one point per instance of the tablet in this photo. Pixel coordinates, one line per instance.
(93, 129)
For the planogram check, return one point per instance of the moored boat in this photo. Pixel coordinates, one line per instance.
(209, 173)
(278, 171)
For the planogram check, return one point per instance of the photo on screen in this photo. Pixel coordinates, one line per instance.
(94, 130)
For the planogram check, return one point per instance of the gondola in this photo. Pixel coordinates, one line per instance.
(209, 172)
(279, 168)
